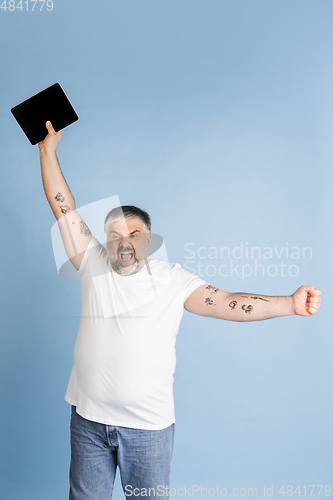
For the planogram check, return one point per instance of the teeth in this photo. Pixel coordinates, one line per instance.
(123, 254)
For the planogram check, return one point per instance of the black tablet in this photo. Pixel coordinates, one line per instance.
(49, 104)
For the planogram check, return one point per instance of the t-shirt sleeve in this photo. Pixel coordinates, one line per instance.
(94, 258)
(188, 281)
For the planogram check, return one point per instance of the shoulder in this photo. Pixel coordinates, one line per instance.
(182, 279)
(95, 255)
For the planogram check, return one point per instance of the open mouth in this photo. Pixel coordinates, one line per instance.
(126, 256)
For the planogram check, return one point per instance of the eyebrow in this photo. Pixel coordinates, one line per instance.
(135, 231)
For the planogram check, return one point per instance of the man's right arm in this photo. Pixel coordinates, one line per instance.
(74, 231)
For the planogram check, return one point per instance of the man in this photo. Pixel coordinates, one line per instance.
(120, 387)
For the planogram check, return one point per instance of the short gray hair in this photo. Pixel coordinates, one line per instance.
(127, 212)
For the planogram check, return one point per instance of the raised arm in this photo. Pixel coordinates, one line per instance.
(74, 231)
(210, 301)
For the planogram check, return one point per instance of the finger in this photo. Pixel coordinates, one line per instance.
(312, 310)
(313, 304)
(50, 128)
(311, 290)
(314, 299)
(316, 305)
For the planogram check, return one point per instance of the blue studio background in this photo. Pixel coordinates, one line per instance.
(216, 117)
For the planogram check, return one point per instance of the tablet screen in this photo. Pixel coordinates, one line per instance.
(49, 104)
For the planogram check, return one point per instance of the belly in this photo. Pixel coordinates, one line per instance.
(124, 370)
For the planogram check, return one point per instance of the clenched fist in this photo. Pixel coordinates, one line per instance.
(306, 300)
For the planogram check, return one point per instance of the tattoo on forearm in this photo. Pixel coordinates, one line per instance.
(59, 197)
(233, 304)
(255, 298)
(247, 309)
(84, 229)
(65, 209)
(209, 302)
(212, 289)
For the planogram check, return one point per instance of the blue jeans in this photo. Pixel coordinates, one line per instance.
(143, 457)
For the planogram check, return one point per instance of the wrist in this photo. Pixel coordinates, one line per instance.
(290, 305)
(47, 153)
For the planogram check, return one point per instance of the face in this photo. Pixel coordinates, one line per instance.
(127, 245)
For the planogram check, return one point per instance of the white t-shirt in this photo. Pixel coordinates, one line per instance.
(124, 357)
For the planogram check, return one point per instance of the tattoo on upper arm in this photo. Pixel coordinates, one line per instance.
(65, 209)
(233, 304)
(209, 300)
(247, 309)
(59, 197)
(84, 229)
(212, 289)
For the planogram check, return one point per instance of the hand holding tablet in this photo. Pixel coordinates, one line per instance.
(51, 104)
(51, 141)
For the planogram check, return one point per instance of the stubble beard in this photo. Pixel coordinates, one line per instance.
(126, 270)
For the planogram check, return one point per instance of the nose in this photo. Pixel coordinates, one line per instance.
(126, 241)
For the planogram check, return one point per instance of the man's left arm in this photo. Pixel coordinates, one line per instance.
(210, 301)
